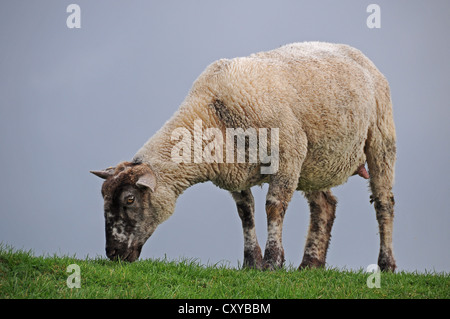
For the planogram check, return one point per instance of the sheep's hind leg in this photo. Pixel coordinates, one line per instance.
(322, 206)
(246, 207)
(380, 152)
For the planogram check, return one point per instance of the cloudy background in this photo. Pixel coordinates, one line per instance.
(74, 100)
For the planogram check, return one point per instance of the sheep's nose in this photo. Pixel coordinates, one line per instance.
(111, 253)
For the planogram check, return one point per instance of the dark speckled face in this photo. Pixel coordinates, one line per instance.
(124, 221)
(128, 214)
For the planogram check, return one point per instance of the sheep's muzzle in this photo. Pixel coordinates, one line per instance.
(123, 253)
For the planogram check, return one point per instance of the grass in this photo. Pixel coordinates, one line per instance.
(23, 275)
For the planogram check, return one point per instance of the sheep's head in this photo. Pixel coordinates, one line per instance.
(129, 213)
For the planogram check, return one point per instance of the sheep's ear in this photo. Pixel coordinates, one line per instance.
(104, 173)
(148, 180)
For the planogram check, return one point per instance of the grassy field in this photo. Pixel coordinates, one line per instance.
(23, 275)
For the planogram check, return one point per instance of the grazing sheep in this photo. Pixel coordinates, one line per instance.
(331, 109)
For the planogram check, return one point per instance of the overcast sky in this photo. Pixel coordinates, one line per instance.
(74, 100)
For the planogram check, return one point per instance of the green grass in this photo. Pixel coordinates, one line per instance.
(23, 275)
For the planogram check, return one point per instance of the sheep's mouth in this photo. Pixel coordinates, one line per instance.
(127, 254)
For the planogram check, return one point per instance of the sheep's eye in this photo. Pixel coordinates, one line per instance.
(130, 199)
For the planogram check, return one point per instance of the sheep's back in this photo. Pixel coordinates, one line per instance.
(327, 92)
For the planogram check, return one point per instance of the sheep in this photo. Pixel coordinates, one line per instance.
(332, 111)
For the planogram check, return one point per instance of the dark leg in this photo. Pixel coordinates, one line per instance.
(381, 153)
(384, 207)
(282, 185)
(274, 252)
(246, 206)
(277, 201)
(322, 206)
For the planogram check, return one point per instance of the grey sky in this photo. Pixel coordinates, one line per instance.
(74, 100)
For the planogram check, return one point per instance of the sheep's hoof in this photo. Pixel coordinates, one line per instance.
(253, 259)
(250, 265)
(387, 264)
(274, 263)
(271, 267)
(309, 263)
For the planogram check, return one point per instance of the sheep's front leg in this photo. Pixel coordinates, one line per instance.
(322, 206)
(277, 201)
(282, 186)
(246, 208)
